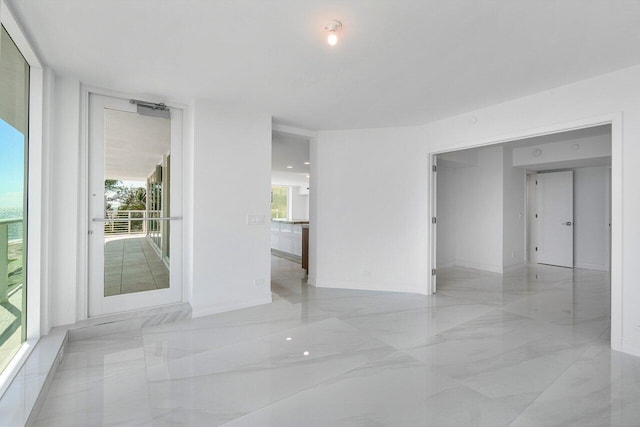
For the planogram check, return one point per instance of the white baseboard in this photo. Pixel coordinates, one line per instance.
(369, 286)
(479, 266)
(221, 308)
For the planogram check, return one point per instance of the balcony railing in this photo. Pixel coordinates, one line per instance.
(4, 257)
(124, 222)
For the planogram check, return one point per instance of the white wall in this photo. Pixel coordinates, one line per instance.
(231, 259)
(513, 214)
(370, 191)
(65, 211)
(479, 228)
(591, 212)
(352, 242)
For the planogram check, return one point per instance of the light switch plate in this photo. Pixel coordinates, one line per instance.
(256, 219)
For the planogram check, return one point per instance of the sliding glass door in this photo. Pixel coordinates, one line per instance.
(14, 119)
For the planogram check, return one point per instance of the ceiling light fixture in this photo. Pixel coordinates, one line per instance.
(307, 163)
(289, 167)
(333, 27)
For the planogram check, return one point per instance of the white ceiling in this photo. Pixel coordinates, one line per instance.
(397, 62)
(134, 144)
(289, 150)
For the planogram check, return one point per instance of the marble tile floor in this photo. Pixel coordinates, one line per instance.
(132, 265)
(528, 348)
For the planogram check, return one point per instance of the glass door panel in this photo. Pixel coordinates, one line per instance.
(136, 149)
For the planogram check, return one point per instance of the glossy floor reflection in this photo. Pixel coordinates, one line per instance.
(528, 348)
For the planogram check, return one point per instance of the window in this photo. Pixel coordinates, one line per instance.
(279, 202)
(14, 124)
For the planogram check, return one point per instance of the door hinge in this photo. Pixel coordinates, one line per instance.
(434, 168)
(433, 220)
(433, 271)
(536, 215)
(536, 182)
(536, 249)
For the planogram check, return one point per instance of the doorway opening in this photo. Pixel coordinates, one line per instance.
(520, 220)
(290, 194)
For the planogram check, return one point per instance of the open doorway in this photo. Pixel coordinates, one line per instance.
(503, 236)
(290, 173)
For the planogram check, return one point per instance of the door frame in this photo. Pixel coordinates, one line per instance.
(84, 224)
(613, 119)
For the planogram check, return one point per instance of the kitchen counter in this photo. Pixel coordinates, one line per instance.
(286, 236)
(291, 221)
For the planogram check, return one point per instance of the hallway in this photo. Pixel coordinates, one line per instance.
(524, 349)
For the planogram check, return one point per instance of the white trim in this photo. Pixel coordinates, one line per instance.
(432, 280)
(187, 202)
(616, 230)
(370, 286)
(45, 275)
(313, 212)
(35, 252)
(82, 255)
(12, 369)
(125, 95)
(479, 266)
(18, 36)
(615, 119)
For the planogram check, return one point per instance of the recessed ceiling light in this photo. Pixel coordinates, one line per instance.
(307, 175)
(333, 27)
(288, 338)
(307, 163)
(306, 353)
(289, 167)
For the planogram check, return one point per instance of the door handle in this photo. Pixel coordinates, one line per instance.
(568, 223)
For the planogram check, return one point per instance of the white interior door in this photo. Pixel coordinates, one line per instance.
(554, 200)
(135, 206)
